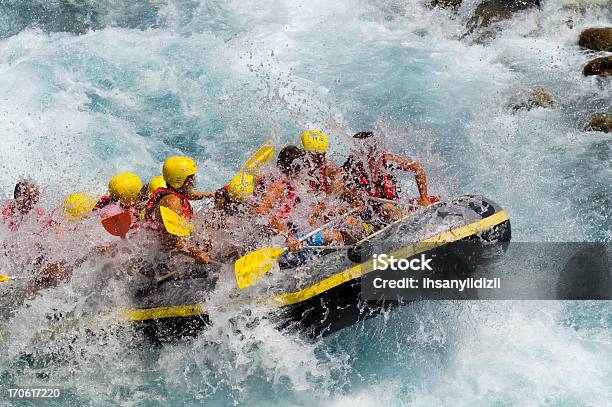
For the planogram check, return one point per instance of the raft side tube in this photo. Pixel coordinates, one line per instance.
(334, 301)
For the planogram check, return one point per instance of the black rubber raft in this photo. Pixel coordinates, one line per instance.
(324, 293)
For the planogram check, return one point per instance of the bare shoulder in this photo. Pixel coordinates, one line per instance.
(173, 202)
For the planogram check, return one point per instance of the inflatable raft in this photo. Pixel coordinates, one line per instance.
(324, 294)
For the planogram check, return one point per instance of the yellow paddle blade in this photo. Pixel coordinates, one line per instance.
(175, 224)
(4, 278)
(261, 156)
(253, 266)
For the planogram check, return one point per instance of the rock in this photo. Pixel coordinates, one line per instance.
(584, 7)
(599, 66)
(491, 11)
(597, 39)
(445, 3)
(532, 98)
(600, 122)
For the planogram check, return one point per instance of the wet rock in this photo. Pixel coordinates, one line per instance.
(584, 7)
(597, 39)
(535, 97)
(445, 3)
(599, 66)
(600, 122)
(491, 11)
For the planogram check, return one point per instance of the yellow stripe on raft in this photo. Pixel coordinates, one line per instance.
(408, 251)
(335, 280)
(162, 312)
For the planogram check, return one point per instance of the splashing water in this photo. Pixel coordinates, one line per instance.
(92, 88)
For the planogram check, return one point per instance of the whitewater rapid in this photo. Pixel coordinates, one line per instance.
(100, 87)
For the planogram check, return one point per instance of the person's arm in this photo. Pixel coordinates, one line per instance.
(293, 244)
(334, 174)
(419, 175)
(192, 251)
(174, 203)
(50, 276)
(270, 198)
(198, 196)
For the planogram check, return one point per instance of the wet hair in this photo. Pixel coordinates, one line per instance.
(26, 196)
(25, 187)
(224, 202)
(287, 157)
(362, 135)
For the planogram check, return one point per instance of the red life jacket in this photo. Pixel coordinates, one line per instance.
(156, 196)
(8, 215)
(289, 202)
(383, 186)
(320, 184)
(102, 202)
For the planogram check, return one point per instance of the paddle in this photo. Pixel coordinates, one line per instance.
(8, 278)
(119, 224)
(178, 226)
(175, 224)
(254, 265)
(382, 200)
(434, 200)
(263, 155)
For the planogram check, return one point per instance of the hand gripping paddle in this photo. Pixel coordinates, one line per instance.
(254, 265)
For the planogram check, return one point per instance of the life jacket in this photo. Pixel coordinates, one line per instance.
(155, 197)
(383, 186)
(102, 202)
(135, 218)
(289, 202)
(320, 183)
(8, 216)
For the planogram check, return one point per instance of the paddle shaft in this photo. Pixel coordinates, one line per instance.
(9, 278)
(382, 200)
(325, 226)
(327, 247)
(254, 265)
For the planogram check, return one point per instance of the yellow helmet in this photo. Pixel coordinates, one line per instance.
(315, 141)
(78, 206)
(177, 169)
(156, 183)
(125, 187)
(241, 186)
